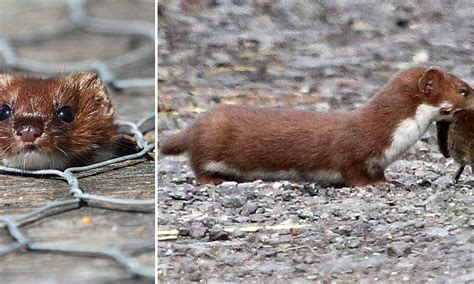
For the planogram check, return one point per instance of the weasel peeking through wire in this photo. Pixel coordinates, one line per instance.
(55, 123)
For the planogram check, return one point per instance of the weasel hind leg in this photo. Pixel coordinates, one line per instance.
(358, 177)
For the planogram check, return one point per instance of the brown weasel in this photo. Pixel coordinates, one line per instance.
(456, 138)
(246, 143)
(58, 122)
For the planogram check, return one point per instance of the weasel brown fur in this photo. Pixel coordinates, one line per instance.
(57, 122)
(246, 143)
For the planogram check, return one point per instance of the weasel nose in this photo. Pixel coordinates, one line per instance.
(29, 133)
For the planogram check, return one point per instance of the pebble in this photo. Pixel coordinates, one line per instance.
(183, 231)
(217, 233)
(246, 185)
(228, 184)
(197, 230)
(233, 201)
(398, 249)
(471, 223)
(287, 196)
(248, 208)
(222, 58)
(178, 205)
(353, 243)
(181, 195)
(311, 189)
(276, 185)
(238, 233)
(437, 232)
(305, 214)
(343, 230)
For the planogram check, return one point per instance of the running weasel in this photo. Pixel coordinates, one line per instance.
(353, 148)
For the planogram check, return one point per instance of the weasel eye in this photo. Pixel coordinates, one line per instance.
(463, 93)
(66, 114)
(5, 112)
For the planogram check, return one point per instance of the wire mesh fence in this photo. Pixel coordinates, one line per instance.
(79, 20)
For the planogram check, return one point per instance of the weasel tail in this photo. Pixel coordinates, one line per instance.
(174, 145)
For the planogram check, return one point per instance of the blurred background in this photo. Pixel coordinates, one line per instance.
(116, 40)
(315, 55)
(303, 53)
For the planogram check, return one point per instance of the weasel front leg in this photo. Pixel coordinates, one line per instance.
(367, 181)
(203, 176)
(358, 177)
(208, 179)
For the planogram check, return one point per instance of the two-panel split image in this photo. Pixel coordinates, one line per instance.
(236, 141)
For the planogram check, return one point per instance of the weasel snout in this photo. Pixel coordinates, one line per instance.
(29, 133)
(28, 128)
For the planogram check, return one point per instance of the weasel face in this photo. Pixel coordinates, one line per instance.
(54, 123)
(445, 90)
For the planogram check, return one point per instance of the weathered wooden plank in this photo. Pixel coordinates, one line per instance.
(93, 227)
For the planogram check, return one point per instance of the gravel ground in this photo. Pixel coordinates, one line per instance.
(315, 55)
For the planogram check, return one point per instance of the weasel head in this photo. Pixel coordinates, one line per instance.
(54, 123)
(444, 90)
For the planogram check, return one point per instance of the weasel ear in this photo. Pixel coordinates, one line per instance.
(426, 82)
(90, 85)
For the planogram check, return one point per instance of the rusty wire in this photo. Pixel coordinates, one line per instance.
(78, 19)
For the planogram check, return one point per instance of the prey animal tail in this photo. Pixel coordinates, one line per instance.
(175, 145)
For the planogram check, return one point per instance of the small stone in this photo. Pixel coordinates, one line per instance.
(337, 212)
(257, 218)
(339, 243)
(245, 185)
(189, 180)
(305, 214)
(178, 205)
(217, 233)
(360, 26)
(228, 184)
(288, 186)
(354, 243)
(287, 196)
(276, 185)
(419, 224)
(471, 223)
(183, 232)
(238, 233)
(222, 59)
(233, 201)
(390, 219)
(248, 208)
(308, 259)
(311, 189)
(398, 249)
(197, 230)
(180, 195)
(471, 239)
(343, 230)
(437, 232)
